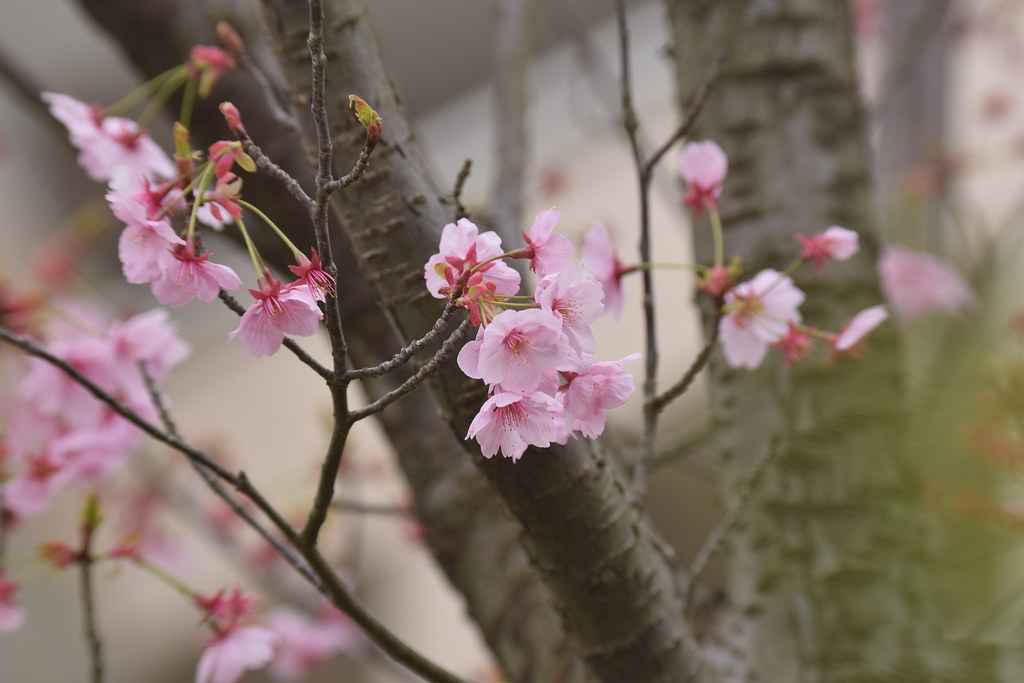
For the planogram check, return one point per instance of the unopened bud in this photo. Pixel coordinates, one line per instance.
(233, 118)
(230, 38)
(91, 515)
(57, 553)
(368, 117)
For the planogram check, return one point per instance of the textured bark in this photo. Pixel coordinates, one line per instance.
(615, 589)
(828, 579)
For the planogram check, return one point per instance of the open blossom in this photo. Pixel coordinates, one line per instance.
(918, 283)
(313, 276)
(547, 250)
(515, 349)
(462, 249)
(834, 244)
(305, 643)
(757, 314)
(575, 295)
(703, 166)
(234, 651)
(192, 275)
(511, 422)
(106, 142)
(855, 331)
(588, 395)
(278, 311)
(600, 257)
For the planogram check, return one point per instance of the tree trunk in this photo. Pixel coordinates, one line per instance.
(826, 580)
(597, 557)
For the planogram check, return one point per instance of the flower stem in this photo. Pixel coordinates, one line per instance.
(142, 92)
(166, 90)
(716, 232)
(257, 262)
(204, 182)
(273, 226)
(188, 102)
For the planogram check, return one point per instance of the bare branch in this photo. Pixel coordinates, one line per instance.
(713, 543)
(264, 163)
(450, 346)
(460, 181)
(357, 172)
(658, 403)
(364, 508)
(403, 356)
(89, 623)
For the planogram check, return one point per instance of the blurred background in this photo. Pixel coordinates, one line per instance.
(940, 86)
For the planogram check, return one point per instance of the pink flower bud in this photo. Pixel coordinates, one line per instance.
(234, 119)
(230, 38)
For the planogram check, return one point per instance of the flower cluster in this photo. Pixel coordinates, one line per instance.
(535, 353)
(57, 433)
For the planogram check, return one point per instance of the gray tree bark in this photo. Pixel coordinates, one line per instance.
(828, 578)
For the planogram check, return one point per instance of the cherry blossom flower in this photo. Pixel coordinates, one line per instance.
(512, 421)
(305, 643)
(600, 257)
(234, 651)
(588, 395)
(547, 250)
(796, 344)
(192, 275)
(312, 275)
(703, 166)
(12, 616)
(834, 244)
(149, 337)
(854, 333)
(515, 350)
(209, 64)
(29, 493)
(576, 296)
(716, 281)
(917, 283)
(106, 142)
(278, 311)
(462, 249)
(757, 314)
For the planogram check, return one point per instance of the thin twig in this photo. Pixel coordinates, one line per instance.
(693, 109)
(363, 508)
(658, 403)
(460, 181)
(713, 543)
(403, 356)
(277, 109)
(264, 163)
(289, 343)
(357, 172)
(629, 122)
(90, 625)
(447, 350)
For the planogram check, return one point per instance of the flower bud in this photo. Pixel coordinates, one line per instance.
(234, 119)
(230, 38)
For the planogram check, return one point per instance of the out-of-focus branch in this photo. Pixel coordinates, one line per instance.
(23, 86)
(511, 66)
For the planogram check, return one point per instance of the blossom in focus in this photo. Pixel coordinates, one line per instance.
(575, 295)
(277, 311)
(234, 651)
(600, 257)
(313, 276)
(703, 166)
(510, 422)
(588, 395)
(462, 249)
(515, 350)
(192, 275)
(547, 250)
(757, 314)
(854, 333)
(917, 283)
(834, 244)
